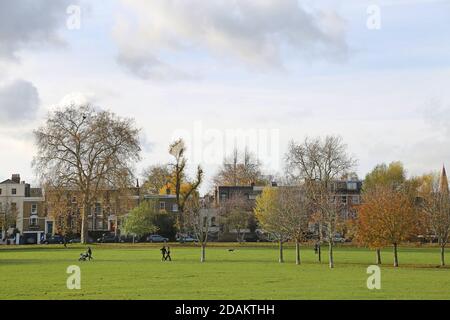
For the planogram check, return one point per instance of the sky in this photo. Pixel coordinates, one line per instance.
(225, 73)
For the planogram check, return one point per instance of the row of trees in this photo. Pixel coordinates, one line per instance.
(394, 209)
(90, 151)
(288, 212)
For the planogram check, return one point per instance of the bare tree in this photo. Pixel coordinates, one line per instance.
(329, 215)
(235, 214)
(239, 169)
(294, 213)
(317, 162)
(436, 207)
(198, 216)
(86, 150)
(156, 177)
(8, 217)
(319, 159)
(178, 149)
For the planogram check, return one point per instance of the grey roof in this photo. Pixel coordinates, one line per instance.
(8, 181)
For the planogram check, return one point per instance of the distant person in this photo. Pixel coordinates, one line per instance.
(316, 248)
(65, 242)
(163, 252)
(168, 255)
(89, 253)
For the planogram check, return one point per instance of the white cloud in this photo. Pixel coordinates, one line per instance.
(19, 101)
(25, 23)
(157, 35)
(78, 99)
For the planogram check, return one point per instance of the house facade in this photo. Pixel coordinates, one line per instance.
(22, 208)
(348, 192)
(64, 209)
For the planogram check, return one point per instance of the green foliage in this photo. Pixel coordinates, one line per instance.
(392, 175)
(165, 223)
(141, 220)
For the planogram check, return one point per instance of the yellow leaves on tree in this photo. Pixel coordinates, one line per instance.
(387, 216)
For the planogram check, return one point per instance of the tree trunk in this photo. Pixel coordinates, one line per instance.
(280, 259)
(330, 253)
(395, 255)
(203, 256)
(378, 256)
(319, 252)
(297, 252)
(442, 255)
(84, 224)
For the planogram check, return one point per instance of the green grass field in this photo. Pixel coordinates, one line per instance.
(251, 272)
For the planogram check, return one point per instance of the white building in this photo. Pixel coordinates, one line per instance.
(18, 200)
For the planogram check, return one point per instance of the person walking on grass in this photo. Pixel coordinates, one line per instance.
(163, 252)
(168, 255)
(89, 254)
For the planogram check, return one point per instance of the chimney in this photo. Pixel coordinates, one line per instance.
(16, 178)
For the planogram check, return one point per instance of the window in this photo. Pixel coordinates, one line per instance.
(34, 209)
(14, 191)
(100, 224)
(98, 209)
(223, 196)
(162, 205)
(352, 185)
(344, 199)
(74, 199)
(213, 221)
(33, 221)
(175, 207)
(355, 199)
(0, 191)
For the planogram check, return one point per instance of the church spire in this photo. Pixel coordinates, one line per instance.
(443, 182)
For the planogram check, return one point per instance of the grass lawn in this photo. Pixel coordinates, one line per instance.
(250, 272)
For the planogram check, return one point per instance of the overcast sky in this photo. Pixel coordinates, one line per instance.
(252, 72)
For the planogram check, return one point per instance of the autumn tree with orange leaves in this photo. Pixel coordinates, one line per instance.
(387, 216)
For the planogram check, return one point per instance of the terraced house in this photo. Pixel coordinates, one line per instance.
(22, 210)
(64, 208)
